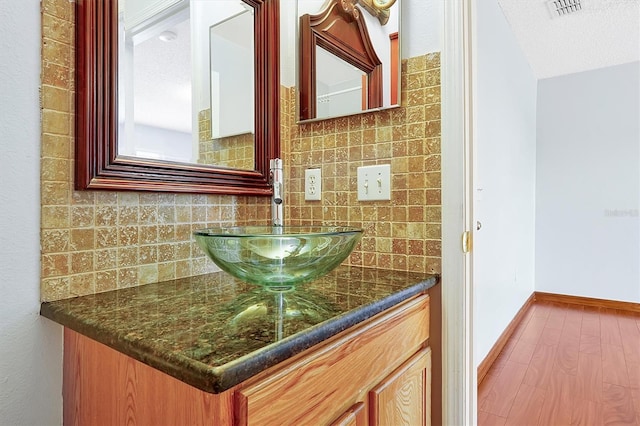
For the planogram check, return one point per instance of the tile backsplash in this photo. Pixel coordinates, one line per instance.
(94, 241)
(235, 151)
(404, 233)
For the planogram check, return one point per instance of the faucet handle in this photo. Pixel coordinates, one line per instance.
(277, 192)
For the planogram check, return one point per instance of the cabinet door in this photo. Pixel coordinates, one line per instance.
(404, 398)
(354, 416)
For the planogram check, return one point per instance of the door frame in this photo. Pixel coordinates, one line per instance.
(458, 77)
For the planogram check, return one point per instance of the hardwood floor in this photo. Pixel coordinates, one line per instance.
(566, 365)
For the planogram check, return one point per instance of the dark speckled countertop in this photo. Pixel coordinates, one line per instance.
(213, 331)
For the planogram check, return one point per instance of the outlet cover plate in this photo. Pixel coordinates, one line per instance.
(374, 182)
(312, 184)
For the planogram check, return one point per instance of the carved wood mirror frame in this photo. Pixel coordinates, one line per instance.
(98, 165)
(341, 30)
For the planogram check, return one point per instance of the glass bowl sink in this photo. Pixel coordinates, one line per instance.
(278, 257)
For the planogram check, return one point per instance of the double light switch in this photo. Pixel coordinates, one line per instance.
(374, 182)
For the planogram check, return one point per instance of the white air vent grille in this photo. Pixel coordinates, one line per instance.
(559, 8)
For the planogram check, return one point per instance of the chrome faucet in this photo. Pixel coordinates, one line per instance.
(276, 177)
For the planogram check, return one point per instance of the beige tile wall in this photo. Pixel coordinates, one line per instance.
(403, 233)
(97, 241)
(232, 151)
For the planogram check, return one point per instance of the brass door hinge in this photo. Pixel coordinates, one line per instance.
(467, 241)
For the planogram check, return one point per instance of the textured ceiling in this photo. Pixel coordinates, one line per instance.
(604, 33)
(162, 81)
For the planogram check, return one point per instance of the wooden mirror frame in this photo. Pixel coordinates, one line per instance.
(97, 164)
(341, 30)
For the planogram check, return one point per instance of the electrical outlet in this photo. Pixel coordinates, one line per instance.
(312, 184)
(374, 182)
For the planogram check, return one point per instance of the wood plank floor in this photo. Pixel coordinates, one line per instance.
(566, 365)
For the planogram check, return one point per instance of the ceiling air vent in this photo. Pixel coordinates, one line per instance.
(559, 8)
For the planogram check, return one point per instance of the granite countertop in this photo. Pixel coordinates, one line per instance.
(213, 331)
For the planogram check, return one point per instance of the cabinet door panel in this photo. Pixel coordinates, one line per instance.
(355, 416)
(404, 397)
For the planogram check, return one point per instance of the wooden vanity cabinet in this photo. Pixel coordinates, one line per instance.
(404, 397)
(375, 373)
(328, 381)
(355, 416)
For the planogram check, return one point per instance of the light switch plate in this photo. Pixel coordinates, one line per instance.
(374, 182)
(312, 184)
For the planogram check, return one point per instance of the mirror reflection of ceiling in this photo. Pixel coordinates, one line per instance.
(166, 51)
(164, 61)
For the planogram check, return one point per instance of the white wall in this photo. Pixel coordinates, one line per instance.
(588, 184)
(421, 27)
(505, 178)
(232, 76)
(30, 346)
(204, 14)
(163, 144)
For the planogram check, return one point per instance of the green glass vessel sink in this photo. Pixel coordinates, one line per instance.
(278, 257)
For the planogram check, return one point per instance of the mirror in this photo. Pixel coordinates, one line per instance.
(340, 87)
(348, 57)
(232, 75)
(177, 95)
